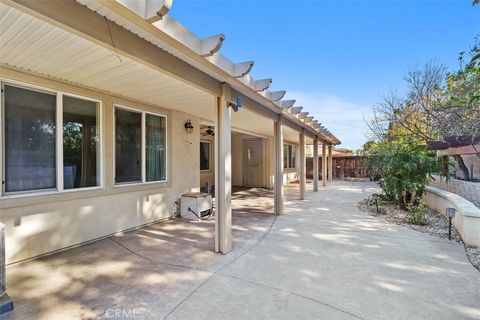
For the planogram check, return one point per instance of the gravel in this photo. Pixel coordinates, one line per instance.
(436, 225)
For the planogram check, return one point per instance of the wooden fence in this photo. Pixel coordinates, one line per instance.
(343, 167)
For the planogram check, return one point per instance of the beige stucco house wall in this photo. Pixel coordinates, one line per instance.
(37, 224)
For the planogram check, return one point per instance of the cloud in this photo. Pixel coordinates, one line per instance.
(343, 118)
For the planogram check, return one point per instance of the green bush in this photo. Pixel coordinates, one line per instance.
(405, 167)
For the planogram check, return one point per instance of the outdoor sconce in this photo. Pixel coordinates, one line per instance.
(450, 216)
(189, 127)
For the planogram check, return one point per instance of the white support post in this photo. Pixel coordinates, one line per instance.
(303, 178)
(315, 164)
(278, 140)
(223, 173)
(330, 163)
(324, 164)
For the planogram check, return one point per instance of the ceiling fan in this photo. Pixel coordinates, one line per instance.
(209, 132)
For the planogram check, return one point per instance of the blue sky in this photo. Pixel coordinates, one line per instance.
(336, 58)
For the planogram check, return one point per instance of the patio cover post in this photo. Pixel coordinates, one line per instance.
(278, 140)
(303, 178)
(330, 163)
(315, 164)
(223, 173)
(324, 164)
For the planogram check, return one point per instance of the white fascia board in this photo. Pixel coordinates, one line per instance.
(204, 47)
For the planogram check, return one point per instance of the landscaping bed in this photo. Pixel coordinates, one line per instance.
(431, 222)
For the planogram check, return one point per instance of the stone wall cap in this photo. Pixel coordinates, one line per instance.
(467, 208)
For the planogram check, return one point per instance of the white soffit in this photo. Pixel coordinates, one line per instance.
(31, 45)
(207, 47)
(181, 34)
(34, 46)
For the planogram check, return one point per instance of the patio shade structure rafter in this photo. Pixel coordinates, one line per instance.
(182, 54)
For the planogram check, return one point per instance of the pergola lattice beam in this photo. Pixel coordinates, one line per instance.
(302, 115)
(285, 104)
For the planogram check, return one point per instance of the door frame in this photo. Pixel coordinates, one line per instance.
(262, 159)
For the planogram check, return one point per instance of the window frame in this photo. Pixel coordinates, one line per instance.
(59, 94)
(209, 155)
(143, 147)
(288, 155)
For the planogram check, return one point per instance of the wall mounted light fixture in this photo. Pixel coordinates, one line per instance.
(189, 127)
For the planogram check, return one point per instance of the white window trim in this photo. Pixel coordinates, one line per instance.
(143, 145)
(289, 165)
(209, 155)
(59, 141)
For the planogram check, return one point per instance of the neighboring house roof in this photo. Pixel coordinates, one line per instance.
(456, 145)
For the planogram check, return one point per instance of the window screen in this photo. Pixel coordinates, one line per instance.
(30, 137)
(128, 144)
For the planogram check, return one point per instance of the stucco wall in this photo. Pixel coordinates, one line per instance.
(467, 217)
(237, 159)
(465, 189)
(44, 223)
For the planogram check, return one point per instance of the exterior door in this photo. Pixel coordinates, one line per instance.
(252, 159)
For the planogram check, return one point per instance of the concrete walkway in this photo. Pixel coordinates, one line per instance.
(323, 259)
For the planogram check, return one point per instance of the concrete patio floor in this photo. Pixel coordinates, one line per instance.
(322, 259)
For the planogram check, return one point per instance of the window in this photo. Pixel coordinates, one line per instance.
(292, 155)
(81, 153)
(289, 156)
(135, 131)
(33, 156)
(155, 148)
(30, 138)
(204, 155)
(128, 146)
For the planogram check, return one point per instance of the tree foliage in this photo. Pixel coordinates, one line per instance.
(405, 167)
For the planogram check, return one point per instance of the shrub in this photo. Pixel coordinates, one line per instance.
(405, 167)
(417, 214)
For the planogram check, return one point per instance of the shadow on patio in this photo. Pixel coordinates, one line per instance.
(148, 271)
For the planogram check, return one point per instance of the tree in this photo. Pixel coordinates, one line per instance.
(412, 115)
(459, 114)
(405, 167)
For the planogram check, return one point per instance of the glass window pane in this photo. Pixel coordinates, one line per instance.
(155, 147)
(128, 145)
(204, 155)
(285, 156)
(81, 143)
(30, 136)
(292, 156)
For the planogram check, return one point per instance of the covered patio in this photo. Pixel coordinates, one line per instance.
(132, 69)
(154, 265)
(322, 259)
